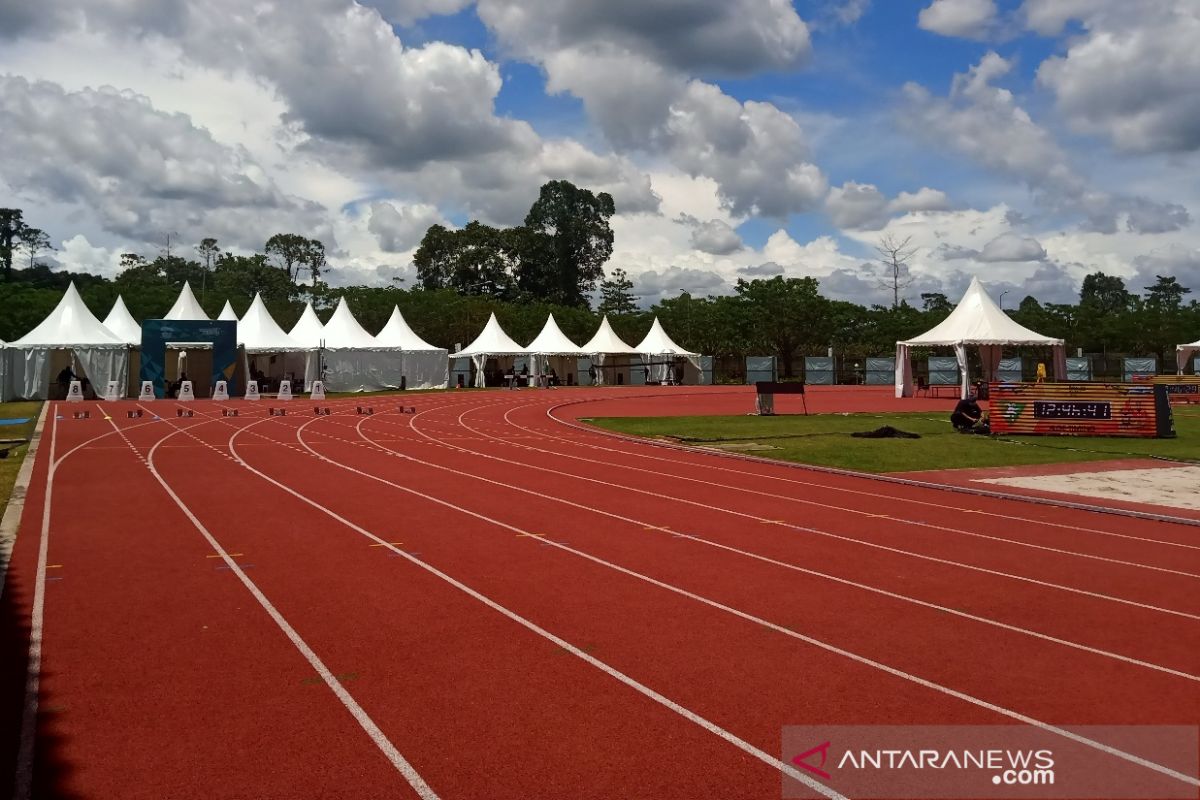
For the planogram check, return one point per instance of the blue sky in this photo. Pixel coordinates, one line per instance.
(1026, 141)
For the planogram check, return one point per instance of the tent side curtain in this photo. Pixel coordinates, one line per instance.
(362, 370)
(989, 356)
(29, 368)
(1184, 352)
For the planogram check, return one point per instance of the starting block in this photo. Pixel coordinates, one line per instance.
(408, 410)
(134, 414)
(184, 412)
(364, 410)
(278, 412)
(83, 415)
(229, 412)
(321, 412)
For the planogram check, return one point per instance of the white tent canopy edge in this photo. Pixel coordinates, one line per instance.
(975, 322)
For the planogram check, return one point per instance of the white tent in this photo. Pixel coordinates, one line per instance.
(70, 336)
(424, 366)
(308, 330)
(122, 323)
(1183, 352)
(660, 354)
(493, 344)
(272, 354)
(551, 350)
(186, 307)
(975, 321)
(352, 360)
(227, 313)
(609, 353)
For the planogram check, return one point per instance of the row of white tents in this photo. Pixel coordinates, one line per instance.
(340, 352)
(552, 352)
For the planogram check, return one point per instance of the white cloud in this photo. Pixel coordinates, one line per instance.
(857, 205)
(1012, 247)
(984, 122)
(1133, 76)
(924, 199)
(971, 19)
(400, 227)
(716, 237)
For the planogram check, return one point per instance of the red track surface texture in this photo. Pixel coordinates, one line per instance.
(485, 600)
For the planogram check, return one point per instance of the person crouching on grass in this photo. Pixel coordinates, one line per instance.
(968, 417)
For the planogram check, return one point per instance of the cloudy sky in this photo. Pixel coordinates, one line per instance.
(1029, 142)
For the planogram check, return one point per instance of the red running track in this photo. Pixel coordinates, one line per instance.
(487, 600)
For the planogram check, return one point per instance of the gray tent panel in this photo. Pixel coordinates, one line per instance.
(1009, 370)
(760, 368)
(943, 371)
(881, 371)
(818, 370)
(1079, 369)
(1131, 367)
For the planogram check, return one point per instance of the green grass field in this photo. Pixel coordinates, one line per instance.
(11, 465)
(824, 439)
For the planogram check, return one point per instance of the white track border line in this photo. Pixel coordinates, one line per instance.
(583, 432)
(601, 433)
(385, 746)
(970, 699)
(795, 567)
(711, 727)
(831, 535)
(802, 501)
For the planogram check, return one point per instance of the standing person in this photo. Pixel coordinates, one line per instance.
(65, 377)
(1041, 372)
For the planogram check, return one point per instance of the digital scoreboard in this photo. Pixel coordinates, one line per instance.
(1080, 408)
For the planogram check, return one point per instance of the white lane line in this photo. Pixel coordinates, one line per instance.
(849, 510)
(583, 432)
(643, 524)
(840, 537)
(364, 720)
(23, 783)
(613, 672)
(863, 660)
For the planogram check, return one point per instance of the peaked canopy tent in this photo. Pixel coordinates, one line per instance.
(1183, 352)
(69, 336)
(664, 360)
(551, 351)
(308, 330)
(423, 366)
(976, 321)
(227, 313)
(351, 359)
(186, 307)
(272, 354)
(612, 359)
(127, 329)
(492, 353)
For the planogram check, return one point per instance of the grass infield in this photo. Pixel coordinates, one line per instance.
(825, 440)
(12, 464)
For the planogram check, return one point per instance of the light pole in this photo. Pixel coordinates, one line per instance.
(1002, 299)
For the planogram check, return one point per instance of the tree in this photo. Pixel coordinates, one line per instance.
(294, 253)
(209, 252)
(616, 294)
(33, 241)
(565, 244)
(936, 302)
(12, 230)
(785, 314)
(895, 256)
(476, 260)
(1105, 294)
(245, 276)
(1166, 294)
